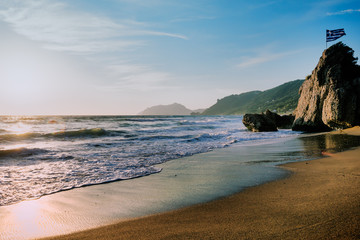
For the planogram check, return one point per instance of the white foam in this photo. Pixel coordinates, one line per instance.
(93, 150)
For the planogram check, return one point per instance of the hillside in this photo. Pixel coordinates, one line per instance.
(282, 98)
(172, 109)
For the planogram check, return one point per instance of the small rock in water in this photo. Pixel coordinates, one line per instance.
(259, 123)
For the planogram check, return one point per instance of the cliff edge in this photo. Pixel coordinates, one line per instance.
(330, 96)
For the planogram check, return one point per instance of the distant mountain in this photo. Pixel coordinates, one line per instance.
(172, 109)
(282, 99)
(198, 111)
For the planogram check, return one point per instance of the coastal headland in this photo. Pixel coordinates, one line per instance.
(320, 200)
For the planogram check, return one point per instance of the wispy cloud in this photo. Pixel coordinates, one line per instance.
(154, 33)
(263, 58)
(60, 28)
(129, 76)
(347, 11)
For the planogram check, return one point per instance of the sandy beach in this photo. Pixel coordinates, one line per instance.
(320, 200)
(167, 119)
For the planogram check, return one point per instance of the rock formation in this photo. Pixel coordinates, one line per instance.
(259, 123)
(330, 96)
(267, 122)
(283, 121)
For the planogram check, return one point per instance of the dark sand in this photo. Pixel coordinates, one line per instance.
(320, 200)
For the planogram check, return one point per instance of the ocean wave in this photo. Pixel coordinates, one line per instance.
(92, 150)
(193, 128)
(20, 152)
(15, 191)
(148, 119)
(23, 119)
(82, 133)
(126, 124)
(206, 136)
(163, 137)
(18, 137)
(2, 131)
(93, 132)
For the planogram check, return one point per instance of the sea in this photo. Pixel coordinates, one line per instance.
(41, 155)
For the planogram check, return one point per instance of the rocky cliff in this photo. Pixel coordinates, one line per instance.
(330, 96)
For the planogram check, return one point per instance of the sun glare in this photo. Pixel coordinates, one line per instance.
(26, 216)
(20, 128)
(21, 80)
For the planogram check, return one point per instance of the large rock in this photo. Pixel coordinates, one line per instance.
(267, 122)
(330, 96)
(281, 121)
(259, 123)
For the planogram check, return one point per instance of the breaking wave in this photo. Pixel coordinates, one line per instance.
(20, 152)
(82, 133)
(43, 155)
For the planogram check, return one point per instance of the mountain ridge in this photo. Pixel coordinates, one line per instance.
(281, 99)
(170, 109)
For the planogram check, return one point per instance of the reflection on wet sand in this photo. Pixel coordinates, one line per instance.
(326, 144)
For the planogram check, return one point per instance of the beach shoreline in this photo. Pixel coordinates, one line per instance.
(319, 200)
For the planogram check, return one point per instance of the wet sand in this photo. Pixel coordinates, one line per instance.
(320, 200)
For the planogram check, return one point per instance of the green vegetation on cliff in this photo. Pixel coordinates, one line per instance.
(282, 99)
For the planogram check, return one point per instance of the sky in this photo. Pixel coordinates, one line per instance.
(118, 57)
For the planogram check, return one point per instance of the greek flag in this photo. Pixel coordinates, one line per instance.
(332, 35)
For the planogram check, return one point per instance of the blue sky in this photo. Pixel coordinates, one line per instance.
(121, 56)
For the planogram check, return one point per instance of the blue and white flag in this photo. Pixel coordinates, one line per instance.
(332, 35)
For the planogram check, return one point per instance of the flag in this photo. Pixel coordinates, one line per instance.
(332, 35)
